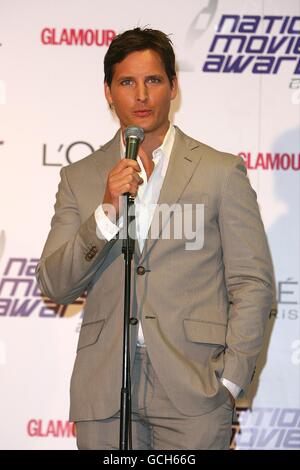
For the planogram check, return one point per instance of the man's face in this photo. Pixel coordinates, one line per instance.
(141, 92)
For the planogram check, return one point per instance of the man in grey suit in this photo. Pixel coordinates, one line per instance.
(201, 309)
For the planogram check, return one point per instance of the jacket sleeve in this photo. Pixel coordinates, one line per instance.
(73, 252)
(248, 275)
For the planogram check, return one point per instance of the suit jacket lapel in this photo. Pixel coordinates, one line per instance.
(108, 156)
(182, 164)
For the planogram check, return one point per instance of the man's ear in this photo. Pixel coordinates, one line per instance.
(174, 89)
(108, 94)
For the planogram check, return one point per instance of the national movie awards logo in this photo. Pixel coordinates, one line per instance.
(259, 44)
(20, 295)
(267, 429)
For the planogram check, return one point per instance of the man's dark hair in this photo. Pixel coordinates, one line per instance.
(138, 39)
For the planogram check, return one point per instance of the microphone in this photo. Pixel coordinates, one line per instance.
(134, 135)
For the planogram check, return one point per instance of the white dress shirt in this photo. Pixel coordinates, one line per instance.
(145, 203)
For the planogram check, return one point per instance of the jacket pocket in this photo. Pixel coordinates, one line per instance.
(199, 331)
(89, 333)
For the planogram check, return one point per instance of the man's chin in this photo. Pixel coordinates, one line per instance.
(148, 127)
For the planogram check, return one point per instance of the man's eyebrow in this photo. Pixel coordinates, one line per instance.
(131, 77)
(154, 75)
(125, 77)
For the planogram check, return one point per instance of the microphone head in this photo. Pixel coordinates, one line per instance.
(134, 131)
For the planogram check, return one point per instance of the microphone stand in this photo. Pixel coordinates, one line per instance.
(134, 135)
(127, 250)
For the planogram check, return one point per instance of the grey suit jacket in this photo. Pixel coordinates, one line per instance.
(203, 312)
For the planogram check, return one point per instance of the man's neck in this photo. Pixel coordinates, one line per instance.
(151, 142)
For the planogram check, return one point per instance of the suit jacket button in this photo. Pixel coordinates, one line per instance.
(140, 270)
(133, 321)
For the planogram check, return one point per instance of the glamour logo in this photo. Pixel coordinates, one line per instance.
(253, 43)
(21, 297)
(51, 428)
(271, 161)
(77, 37)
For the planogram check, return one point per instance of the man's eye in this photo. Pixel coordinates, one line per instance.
(154, 80)
(126, 82)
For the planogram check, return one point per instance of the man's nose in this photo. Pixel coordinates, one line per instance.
(141, 92)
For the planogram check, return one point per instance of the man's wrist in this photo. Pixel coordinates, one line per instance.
(106, 228)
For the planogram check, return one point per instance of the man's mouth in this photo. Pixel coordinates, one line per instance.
(142, 112)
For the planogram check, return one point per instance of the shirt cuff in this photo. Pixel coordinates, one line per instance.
(105, 229)
(232, 387)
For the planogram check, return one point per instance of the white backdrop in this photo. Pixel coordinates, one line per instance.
(239, 93)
